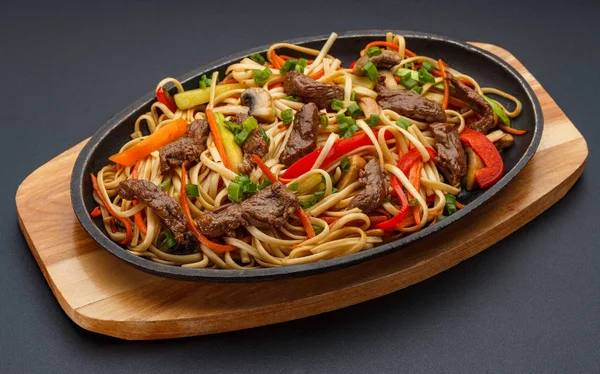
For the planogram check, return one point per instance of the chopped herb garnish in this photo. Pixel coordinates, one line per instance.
(288, 65)
(287, 116)
(347, 125)
(257, 58)
(233, 127)
(240, 186)
(440, 217)
(300, 65)
(261, 76)
(265, 183)
(248, 125)
(337, 105)
(304, 204)
(418, 89)
(404, 123)
(371, 71)
(165, 240)
(353, 95)
(324, 120)
(407, 81)
(165, 184)
(354, 110)
(374, 51)
(293, 186)
(428, 66)
(373, 120)
(450, 204)
(291, 98)
(409, 66)
(345, 164)
(234, 192)
(204, 81)
(425, 76)
(191, 190)
(413, 202)
(317, 229)
(334, 190)
(264, 135)
(313, 200)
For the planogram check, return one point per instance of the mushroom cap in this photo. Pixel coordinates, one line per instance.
(260, 103)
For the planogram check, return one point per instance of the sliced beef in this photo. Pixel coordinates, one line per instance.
(255, 144)
(303, 138)
(376, 187)
(385, 60)
(451, 156)
(269, 207)
(165, 207)
(309, 90)
(408, 103)
(474, 101)
(186, 149)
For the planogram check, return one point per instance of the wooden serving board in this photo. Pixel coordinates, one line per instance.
(102, 294)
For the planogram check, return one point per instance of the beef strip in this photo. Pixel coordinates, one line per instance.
(376, 187)
(255, 144)
(186, 149)
(309, 90)
(165, 207)
(451, 156)
(385, 60)
(408, 103)
(269, 207)
(474, 101)
(303, 138)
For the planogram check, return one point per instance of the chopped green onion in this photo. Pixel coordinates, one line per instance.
(249, 188)
(291, 98)
(166, 184)
(304, 204)
(450, 204)
(204, 81)
(409, 66)
(353, 95)
(166, 240)
(246, 184)
(264, 184)
(337, 105)
(407, 81)
(373, 120)
(345, 164)
(413, 202)
(354, 110)
(317, 229)
(347, 125)
(288, 65)
(371, 71)
(374, 51)
(249, 125)
(191, 190)
(324, 120)
(234, 192)
(301, 65)
(498, 110)
(293, 186)
(428, 66)
(425, 76)
(264, 135)
(404, 123)
(257, 58)
(261, 76)
(334, 190)
(313, 200)
(440, 217)
(418, 89)
(233, 127)
(287, 116)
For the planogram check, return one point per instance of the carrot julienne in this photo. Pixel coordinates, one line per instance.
(216, 133)
(446, 86)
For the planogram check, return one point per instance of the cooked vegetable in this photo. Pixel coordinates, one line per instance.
(215, 130)
(191, 98)
(233, 150)
(165, 97)
(446, 87)
(337, 105)
(494, 166)
(256, 57)
(355, 164)
(248, 126)
(260, 104)
(393, 222)
(411, 157)
(498, 110)
(475, 164)
(287, 116)
(450, 204)
(371, 71)
(354, 110)
(345, 164)
(204, 81)
(192, 190)
(151, 143)
(166, 240)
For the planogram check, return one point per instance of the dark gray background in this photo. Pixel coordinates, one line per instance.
(529, 303)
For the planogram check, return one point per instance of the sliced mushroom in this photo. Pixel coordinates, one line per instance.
(475, 164)
(501, 139)
(351, 176)
(231, 109)
(390, 82)
(369, 106)
(260, 103)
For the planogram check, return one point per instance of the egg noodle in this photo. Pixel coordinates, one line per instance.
(339, 231)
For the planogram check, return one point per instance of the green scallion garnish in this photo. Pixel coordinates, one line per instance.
(345, 164)
(425, 76)
(428, 66)
(257, 58)
(191, 190)
(324, 120)
(373, 120)
(337, 105)
(374, 51)
(288, 65)
(234, 192)
(354, 110)
(165, 184)
(404, 123)
(261, 76)
(293, 186)
(287, 116)
(371, 71)
(407, 81)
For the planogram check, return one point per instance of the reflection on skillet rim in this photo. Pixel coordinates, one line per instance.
(85, 163)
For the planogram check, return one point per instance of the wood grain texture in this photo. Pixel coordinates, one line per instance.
(102, 294)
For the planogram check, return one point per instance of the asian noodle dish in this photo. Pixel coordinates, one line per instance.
(292, 158)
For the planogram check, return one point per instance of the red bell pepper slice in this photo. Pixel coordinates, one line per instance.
(494, 166)
(391, 223)
(164, 97)
(340, 149)
(412, 157)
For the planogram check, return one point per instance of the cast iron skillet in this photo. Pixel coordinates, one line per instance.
(486, 68)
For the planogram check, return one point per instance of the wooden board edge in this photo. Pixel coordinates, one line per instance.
(152, 330)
